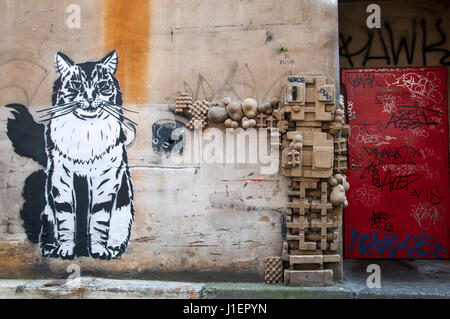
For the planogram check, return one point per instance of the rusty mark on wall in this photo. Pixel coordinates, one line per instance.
(126, 27)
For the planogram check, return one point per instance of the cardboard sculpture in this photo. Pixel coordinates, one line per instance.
(313, 141)
(217, 114)
(184, 101)
(250, 108)
(313, 220)
(198, 111)
(273, 270)
(234, 110)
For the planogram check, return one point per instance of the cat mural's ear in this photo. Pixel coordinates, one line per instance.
(63, 63)
(110, 61)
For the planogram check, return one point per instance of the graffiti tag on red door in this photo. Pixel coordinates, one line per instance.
(398, 163)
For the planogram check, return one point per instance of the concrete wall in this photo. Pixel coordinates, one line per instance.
(192, 221)
(413, 33)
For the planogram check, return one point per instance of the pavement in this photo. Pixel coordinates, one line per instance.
(399, 279)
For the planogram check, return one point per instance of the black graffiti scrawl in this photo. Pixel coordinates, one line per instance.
(81, 203)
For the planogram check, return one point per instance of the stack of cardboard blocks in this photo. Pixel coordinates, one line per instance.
(197, 111)
(314, 157)
(311, 142)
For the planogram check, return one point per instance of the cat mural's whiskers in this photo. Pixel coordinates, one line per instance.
(119, 107)
(115, 111)
(53, 111)
(55, 114)
(58, 107)
(120, 118)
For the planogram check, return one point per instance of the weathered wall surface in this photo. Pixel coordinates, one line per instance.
(413, 33)
(206, 220)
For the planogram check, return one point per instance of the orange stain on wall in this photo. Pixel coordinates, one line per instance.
(126, 26)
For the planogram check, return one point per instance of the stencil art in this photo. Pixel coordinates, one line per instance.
(81, 203)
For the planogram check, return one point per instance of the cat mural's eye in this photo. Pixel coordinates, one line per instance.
(104, 86)
(76, 85)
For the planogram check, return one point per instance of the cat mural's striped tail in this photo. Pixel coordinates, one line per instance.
(28, 140)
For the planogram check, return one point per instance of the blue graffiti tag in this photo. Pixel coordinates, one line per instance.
(296, 79)
(389, 242)
(325, 93)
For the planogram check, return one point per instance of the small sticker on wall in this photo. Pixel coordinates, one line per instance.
(287, 59)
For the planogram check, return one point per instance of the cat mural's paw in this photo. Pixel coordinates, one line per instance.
(49, 250)
(100, 251)
(117, 251)
(66, 251)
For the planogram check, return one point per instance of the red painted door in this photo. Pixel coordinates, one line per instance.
(398, 163)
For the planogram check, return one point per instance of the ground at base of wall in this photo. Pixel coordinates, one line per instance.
(398, 279)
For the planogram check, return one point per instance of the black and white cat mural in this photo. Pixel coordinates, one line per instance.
(81, 204)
